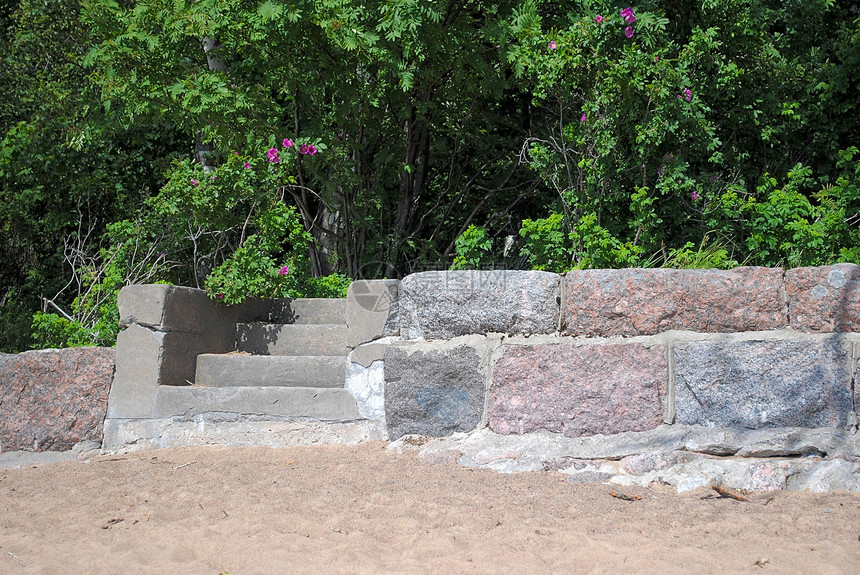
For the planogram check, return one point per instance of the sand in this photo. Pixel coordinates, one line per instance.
(366, 509)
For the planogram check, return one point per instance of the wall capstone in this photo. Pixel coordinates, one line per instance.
(824, 299)
(442, 305)
(632, 302)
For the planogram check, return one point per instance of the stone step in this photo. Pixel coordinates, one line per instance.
(291, 339)
(298, 311)
(235, 370)
(191, 401)
(318, 311)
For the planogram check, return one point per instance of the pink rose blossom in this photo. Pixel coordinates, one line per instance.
(284, 271)
(694, 196)
(583, 118)
(194, 182)
(552, 45)
(288, 143)
(628, 15)
(272, 155)
(628, 31)
(598, 19)
(247, 166)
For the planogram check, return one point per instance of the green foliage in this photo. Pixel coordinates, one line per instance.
(547, 246)
(651, 131)
(473, 248)
(705, 135)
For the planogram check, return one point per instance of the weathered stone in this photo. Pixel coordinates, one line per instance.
(826, 476)
(138, 367)
(633, 302)
(367, 385)
(768, 475)
(578, 390)
(435, 392)
(649, 461)
(775, 442)
(442, 305)
(175, 308)
(824, 299)
(53, 399)
(372, 310)
(136, 434)
(787, 442)
(756, 384)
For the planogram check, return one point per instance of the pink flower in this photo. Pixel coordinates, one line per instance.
(284, 271)
(272, 154)
(304, 149)
(655, 58)
(194, 182)
(628, 15)
(247, 166)
(552, 45)
(213, 178)
(628, 31)
(220, 296)
(583, 118)
(688, 94)
(694, 196)
(288, 143)
(312, 149)
(598, 19)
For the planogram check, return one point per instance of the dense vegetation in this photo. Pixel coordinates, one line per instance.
(261, 147)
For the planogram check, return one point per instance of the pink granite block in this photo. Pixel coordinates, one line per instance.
(633, 302)
(52, 399)
(824, 299)
(578, 390)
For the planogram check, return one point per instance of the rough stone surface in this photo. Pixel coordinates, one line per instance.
(649, 461)
(639, 458)
(756, 384)
(578, 390)
(824, 299)
(632, 302)
(778, 442)
(442, 305)
(435, 392)
(54, 399)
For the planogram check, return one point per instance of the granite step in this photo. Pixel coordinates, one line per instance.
(242, 370)
(292, 339)
(191, 401)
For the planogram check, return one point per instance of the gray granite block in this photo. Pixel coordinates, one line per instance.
(757, 384)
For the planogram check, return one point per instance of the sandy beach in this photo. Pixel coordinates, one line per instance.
(368, 509)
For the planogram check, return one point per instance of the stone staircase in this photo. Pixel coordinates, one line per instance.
(287, 367)
(266, 372)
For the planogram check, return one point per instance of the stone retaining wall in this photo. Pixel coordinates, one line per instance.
(532, 370)
(622, 356)
(610, 351)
